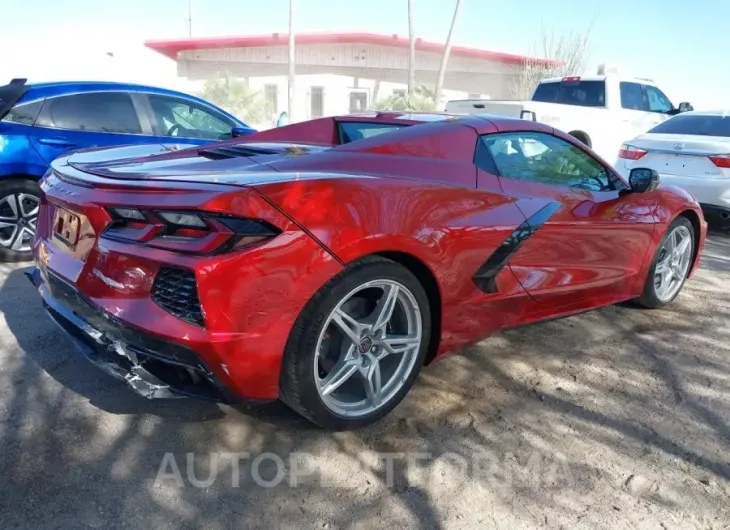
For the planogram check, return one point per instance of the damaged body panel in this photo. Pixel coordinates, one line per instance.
(167, 371)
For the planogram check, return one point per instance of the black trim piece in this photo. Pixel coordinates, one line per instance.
(10, 94)
(237, 151)
(248, 227)
(176, 291)
(485, 277)
(341, 134)
(483, 158)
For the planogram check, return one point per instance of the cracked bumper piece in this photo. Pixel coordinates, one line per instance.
(152, 367)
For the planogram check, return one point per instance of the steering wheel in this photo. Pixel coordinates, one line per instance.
(587, 186)
(175, 127)
(583, 186)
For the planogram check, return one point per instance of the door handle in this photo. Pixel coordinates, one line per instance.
(56, 142)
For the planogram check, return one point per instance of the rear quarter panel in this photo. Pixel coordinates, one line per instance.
(451, 230)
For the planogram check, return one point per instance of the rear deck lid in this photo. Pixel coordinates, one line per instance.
(168, 162)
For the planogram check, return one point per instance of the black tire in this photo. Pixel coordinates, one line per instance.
(297, 383)
(581, 137)
(649, 297)
(12, 187)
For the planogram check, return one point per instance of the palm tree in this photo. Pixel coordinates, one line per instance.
(292, 62)
(411, 51)
(237, 98)
(420, 101)
(445, 56)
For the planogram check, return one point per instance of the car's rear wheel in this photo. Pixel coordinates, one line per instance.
(357, 346)
(671, 265)
(19, 205)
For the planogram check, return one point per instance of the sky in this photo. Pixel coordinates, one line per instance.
(683, 46)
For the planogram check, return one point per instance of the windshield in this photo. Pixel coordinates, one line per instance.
(695, 124)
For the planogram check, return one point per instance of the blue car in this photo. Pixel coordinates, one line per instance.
(39, 122)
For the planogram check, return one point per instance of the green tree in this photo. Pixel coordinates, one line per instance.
(422, 100)
(236, 97)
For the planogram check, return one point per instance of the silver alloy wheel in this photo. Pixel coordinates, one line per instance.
(18, 216)
(674, 260)
(367, 348)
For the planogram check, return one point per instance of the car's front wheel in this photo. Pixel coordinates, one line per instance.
(357, 346)
(19, 205)
(671, 265)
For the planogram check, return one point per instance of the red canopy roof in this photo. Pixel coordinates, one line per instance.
(170, 48)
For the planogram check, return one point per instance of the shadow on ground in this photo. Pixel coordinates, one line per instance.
(616, 416)
(717, 252)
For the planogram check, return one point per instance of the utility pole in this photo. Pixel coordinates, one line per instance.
(190, 19)
(411, 51)
(292, 61)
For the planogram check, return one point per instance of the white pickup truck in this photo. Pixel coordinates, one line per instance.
(601, 111)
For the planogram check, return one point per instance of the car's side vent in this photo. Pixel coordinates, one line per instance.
(176, 291)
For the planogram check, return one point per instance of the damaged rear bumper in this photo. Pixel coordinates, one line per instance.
(152, 367)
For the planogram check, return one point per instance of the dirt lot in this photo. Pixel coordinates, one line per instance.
(618, 418)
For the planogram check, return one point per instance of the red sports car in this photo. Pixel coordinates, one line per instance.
(325, 262)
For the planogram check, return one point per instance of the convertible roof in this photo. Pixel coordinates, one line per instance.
(323, 131)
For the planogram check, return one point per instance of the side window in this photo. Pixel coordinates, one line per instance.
(185, 119)
(350, 131)
(582, 93)
(25, 113)
(546, 92)
(656, 101)
(545, 159)
(111, 112)
(632, 97)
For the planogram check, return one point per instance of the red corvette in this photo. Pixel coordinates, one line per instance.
(325, 262)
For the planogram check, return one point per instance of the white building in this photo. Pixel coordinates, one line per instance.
(340, 73)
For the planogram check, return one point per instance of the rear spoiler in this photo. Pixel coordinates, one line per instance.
(10, 94)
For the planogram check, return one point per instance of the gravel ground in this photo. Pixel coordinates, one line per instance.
(619, 418)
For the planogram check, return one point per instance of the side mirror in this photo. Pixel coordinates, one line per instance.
(642, 180)
(240, 131)
(685, 107)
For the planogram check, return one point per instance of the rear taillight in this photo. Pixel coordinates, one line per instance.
(630, 152)
(187, 232)
(722, 161)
